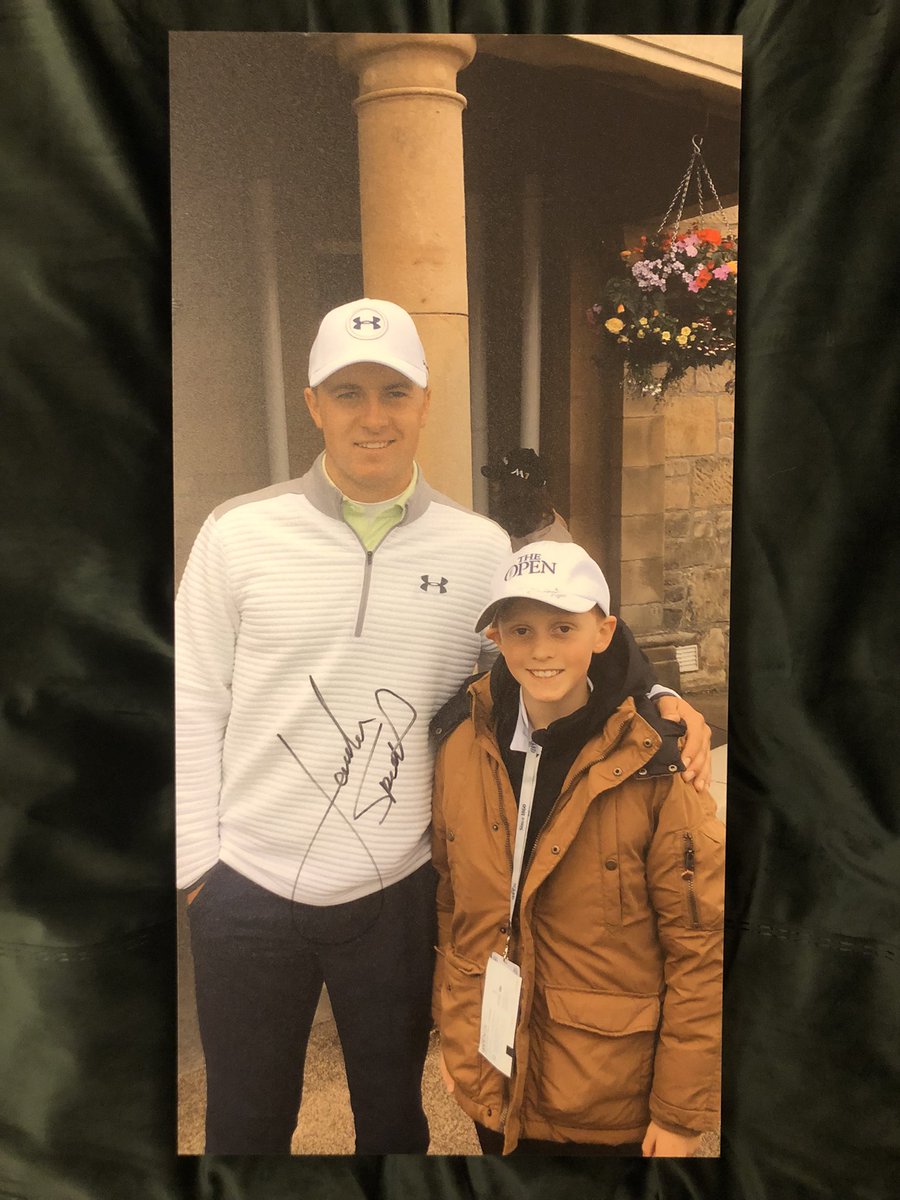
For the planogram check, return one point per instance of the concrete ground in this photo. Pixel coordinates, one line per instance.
(326, 1125)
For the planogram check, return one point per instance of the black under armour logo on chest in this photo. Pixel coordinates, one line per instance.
(428, 583)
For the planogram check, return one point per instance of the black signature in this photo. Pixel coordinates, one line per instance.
(354, 742)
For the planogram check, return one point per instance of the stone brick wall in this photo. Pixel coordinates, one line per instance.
(699, 448)
(642, 512)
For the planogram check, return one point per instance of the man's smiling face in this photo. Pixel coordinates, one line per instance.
(370, 416)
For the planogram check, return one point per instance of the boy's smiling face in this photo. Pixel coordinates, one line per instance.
(548, 652)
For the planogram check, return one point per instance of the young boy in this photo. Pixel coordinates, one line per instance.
(580, 889)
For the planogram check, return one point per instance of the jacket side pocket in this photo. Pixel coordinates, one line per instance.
(596, 1051)
(461, 991)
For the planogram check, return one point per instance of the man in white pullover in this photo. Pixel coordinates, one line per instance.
(320, 624)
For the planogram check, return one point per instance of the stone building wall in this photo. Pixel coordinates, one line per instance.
(643, 514)
(699, 448)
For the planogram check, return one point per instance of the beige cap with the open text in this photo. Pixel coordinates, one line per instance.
(557, 573)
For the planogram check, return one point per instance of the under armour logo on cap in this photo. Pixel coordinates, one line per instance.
(366, 323)
(368, 331)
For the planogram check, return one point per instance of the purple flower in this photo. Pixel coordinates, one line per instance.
(648, 276)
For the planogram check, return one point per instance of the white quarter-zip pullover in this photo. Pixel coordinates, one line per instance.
(307, 672)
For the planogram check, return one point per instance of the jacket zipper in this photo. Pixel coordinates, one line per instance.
(559, 799)
(504, 1109)
(496, 770)
(687, 874)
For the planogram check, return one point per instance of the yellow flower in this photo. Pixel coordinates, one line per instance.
(665, 335)
(640, 333)
(643, 321)
(614, 325)
(620, 308)
(681, 340)
(685, 330)
(732, 266)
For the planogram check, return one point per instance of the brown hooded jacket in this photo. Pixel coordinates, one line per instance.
(618, 934)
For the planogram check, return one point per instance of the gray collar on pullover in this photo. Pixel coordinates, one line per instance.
(328, 499)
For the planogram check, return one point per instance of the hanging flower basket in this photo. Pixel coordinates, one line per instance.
(673, 304)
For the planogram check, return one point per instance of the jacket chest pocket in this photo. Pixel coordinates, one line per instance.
(610, 864)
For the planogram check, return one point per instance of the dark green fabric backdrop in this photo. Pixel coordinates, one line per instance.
(87, 917)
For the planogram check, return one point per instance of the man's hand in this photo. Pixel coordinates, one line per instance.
(662, 1143)
(697, 741)
(445, 1074)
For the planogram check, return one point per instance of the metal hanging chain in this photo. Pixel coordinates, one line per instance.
(699, 180)
(712, 187)
(696, 164)
(680, 192)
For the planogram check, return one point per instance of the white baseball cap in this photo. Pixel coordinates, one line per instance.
(557, 573)
(368, 331)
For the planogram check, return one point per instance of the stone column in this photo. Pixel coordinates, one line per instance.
(413, 218)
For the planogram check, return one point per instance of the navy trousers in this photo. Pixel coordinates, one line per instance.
(260, 962)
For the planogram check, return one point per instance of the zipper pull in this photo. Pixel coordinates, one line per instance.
(688, 871)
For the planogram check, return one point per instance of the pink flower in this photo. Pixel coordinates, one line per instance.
(722, 272)
(693, 286)
(690, 248)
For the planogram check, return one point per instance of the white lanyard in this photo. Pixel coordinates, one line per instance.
(526, 799)
(502, 979)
